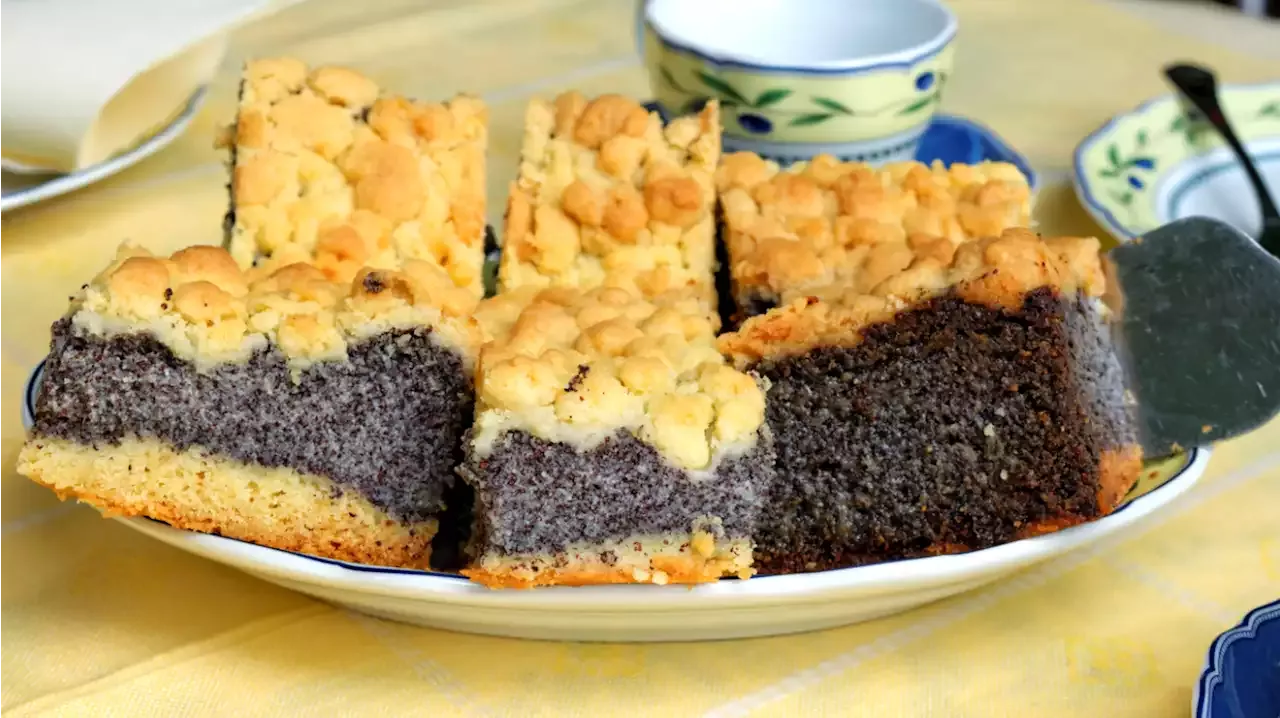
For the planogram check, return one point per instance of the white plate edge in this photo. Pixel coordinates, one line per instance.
(887, 577)
(883, 578)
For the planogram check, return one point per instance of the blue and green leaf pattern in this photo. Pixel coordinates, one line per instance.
(1131, 172)
(1133, 168)
(824, 108)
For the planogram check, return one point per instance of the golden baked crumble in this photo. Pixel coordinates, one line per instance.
(607, 196)
(825, 223)
(996, 271)
(206, 310)
(330, 171)
(576, 366)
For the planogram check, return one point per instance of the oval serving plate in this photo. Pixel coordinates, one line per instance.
(1241, 674)
(1160, 162)
(762, 606)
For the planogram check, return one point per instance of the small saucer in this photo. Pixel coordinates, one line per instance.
(23, 189)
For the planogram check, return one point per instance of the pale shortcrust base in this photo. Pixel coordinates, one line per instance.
(192, 489)
(696, 557)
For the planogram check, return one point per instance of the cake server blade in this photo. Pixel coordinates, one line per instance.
(1198, 332)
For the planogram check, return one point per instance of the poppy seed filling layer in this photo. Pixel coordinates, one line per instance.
(536, 496)
(386, 423)
(953, 427)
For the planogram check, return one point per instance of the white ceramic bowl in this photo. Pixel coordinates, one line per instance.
(859, 79)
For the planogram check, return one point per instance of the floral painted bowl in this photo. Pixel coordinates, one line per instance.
(858, 79)
(1162, 161)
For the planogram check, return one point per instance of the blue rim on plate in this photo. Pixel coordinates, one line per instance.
(28, 420)
(1241, 677)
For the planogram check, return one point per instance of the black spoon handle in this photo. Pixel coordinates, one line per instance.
(1199, 86)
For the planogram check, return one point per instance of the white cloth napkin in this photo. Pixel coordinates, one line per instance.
(83, 80)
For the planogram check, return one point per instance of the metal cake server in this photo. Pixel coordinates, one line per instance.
(1198, 332)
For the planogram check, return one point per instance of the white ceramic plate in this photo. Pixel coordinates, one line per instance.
(22, 189)
(763, 606)
(1160, 162)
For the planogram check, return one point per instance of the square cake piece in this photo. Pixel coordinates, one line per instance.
(290, 411)
(608, 196)
(328, 170)
(612, 443)
(961, 406)
(846, 225)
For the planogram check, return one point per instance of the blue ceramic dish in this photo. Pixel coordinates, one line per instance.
(1241, 677)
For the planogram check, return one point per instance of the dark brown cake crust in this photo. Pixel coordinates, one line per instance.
(954, 427)
(387, 423)
(535, 496)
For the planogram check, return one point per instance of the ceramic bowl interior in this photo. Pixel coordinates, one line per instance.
(858, 79)
(817, 34)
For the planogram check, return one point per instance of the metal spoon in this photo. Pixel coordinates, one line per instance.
(1200, 87)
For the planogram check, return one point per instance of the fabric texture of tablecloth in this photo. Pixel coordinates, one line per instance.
(99, 620)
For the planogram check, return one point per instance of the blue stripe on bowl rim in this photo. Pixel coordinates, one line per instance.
(1087, 197)
(1212, 678)
(28, 419)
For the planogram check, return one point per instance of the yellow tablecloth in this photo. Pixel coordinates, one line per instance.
(98, 620)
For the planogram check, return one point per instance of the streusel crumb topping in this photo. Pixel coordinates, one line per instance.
(997, 272)
(206, 310)
(330, 171)
(607, 196)
(576, 366)
(826, 222)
